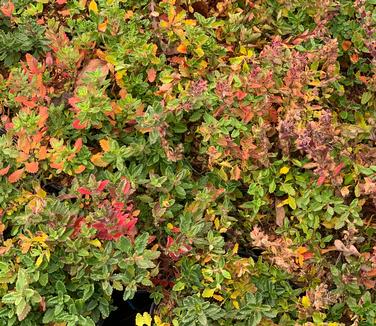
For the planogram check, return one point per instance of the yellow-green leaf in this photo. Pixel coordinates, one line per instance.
(208, 293)
(292, 203)
(39, 261)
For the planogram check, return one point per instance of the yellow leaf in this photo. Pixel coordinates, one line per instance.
(96, 243)
(40, 192)
(40, 238)
(164, 24)
(306, 302)
(236, 304)
(170, 226)
(200, 52)
(93, 6)
(158, 321)
(218, 297)
(284, 170)
(144, 319)
(235, 249)
(190, 22)
(39, 260)
(283, 203)
(216, 223)
(208, 293)
(235, 294)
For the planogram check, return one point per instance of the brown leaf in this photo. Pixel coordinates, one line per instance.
(310, 165)
(345, 191)
(152, 74)
(93, 65)
(279, 213)
(347, 251)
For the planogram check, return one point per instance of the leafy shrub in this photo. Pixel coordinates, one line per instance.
(218, 154)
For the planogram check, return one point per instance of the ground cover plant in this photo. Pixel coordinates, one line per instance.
(218, 154)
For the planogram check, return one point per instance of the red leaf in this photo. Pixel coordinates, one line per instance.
(84, 191)
(32, 167)
(73, 101)
(77, 124)
(240, 95)
(321, 180)
(152, 74)
(78, 145)
(7, 9)
(170, 241)
(15, 176)
(338, 168)
(61, 2)
(103, 185)
(4, 171)
(126, 188)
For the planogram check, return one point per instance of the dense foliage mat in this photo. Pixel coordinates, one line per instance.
(217, 154)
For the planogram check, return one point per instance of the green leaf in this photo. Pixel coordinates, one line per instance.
(366, 96)
(226, 274)
(141, 243)
(179, 286)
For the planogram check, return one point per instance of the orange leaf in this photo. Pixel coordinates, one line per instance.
(346, 45)
(103, 26)
(15, 176)
(32, 63)
(105, 145)
(97, 160)
(79, 169)
(57, 166)
(42, 153)
(4, 171)
(182, 48)
(32, 167)
(152, 74)
(354, 58)
(371, 273)
(7, 9)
